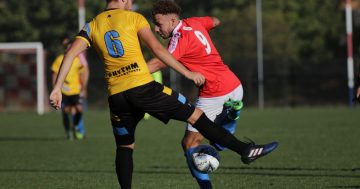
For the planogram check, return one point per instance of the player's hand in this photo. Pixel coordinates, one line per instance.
(198, 78)
(84, 94)
(55, 98)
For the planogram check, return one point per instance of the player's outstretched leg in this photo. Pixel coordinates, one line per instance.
(203, 179)
(255, 151)
(219, 135)
(227, 118)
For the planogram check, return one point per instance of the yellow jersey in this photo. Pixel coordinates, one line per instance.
(72, 84)
(113, 33)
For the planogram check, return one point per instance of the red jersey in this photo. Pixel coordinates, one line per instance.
(191, 45)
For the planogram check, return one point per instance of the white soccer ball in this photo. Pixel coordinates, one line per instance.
(206, 159)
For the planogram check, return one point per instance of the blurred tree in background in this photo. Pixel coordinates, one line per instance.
(304, 43)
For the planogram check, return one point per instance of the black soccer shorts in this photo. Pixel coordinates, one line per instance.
(71, 100)
(128, 108)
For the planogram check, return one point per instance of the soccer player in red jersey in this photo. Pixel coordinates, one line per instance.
(116, 34)
(220, 98)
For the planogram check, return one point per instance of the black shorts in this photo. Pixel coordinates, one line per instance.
(71, 100)
(128, 108)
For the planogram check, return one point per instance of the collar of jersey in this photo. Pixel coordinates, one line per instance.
(176, 30)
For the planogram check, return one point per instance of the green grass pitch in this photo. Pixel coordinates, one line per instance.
(319, 148)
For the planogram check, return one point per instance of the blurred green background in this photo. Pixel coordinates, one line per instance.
(304, 44)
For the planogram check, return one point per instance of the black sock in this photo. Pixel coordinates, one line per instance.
(66, 121)
(77, 118)
(219, 135)
(124, 166)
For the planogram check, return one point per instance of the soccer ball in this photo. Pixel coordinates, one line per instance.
(206, 159)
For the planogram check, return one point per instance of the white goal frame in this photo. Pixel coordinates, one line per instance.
(40, 61)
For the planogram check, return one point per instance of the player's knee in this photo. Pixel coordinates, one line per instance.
(79, 108)
(195, 116)
(191, 140)
(67, 109)
(131, 146)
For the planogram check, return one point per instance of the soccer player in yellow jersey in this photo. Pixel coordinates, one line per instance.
(74, 86)
(116, 34)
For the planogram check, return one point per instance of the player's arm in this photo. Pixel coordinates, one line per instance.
(216, 21)
(208, 22)
(77, 47)
(160, 52)
(84, 75)
(53, 78)
(155, 65)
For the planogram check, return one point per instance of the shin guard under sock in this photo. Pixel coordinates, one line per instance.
(124, 166)
(219, 135)
(203, 179)
(66, 121)
(79, 122)
(77, 117)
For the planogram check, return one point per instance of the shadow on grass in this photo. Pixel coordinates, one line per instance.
(292, 169)
(16, 139)
(182, 170)
(54, 171)
(283, 172)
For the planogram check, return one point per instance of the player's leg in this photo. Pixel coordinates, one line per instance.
(192, 138)
(231, 106)
(124, 118)
(67, 117)
(77, 116)
(79, 122)
(213, 108)
(164, 104)
(249, 151)
(190, 141)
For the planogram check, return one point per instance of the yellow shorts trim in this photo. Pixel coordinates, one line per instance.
(167, 90)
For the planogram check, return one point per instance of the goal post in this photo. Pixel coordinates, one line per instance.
(40, 71)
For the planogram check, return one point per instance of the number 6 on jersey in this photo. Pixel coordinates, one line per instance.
(113, 45)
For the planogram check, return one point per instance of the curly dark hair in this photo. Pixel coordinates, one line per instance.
(165, 7)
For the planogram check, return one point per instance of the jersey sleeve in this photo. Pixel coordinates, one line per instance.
(141, 22)
(205, 21)
(84, 34)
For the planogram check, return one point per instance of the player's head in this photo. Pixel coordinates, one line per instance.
(119, 4)
(165, 15)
